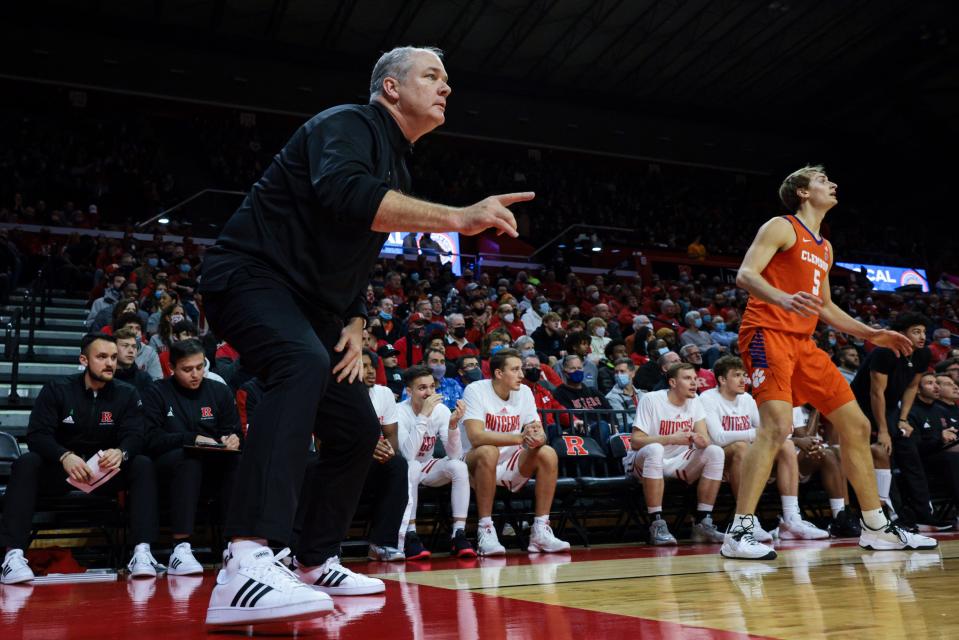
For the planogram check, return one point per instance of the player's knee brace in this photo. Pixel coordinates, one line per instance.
(715, 459)
(653, 461)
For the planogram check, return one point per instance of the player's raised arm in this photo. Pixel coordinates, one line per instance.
(774, 236)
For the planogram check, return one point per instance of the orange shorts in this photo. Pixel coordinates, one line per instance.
(790, 367)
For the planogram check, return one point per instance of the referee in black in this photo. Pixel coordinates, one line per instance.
(285, 283)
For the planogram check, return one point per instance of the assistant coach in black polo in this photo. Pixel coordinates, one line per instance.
(285, 286)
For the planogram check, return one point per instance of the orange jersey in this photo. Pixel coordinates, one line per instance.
(802, 267)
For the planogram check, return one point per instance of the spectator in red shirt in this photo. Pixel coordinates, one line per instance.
(506, 319)
(533, 377)
(390, 329)
(410, 350)
(456, 344)
(940, 346)
(394, 288)
(705, 379)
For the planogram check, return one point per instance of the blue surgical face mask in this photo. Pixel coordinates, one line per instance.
(185, 268)
(622, 380)
(544, 308)
(719, 326)
(707, 318)
(494, 350)
(386, 316)
(158, 295)
(153, 262)
(528, 353)
(698, 322)
(663, 351)
(439, 371)
(946, 342)
(576, 376)
(832, 342)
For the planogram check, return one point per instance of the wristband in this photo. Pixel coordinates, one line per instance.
(64, 456)
(903, 420)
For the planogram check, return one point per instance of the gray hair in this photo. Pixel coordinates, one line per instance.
(665, 358)
(692, 315)
(522, 340)
(454, 316)
(570, 358)
(684, 351)
(395, 63)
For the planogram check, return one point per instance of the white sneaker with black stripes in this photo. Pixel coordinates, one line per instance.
(333, 578)
(182, 562)
(15, 568)
(256, 587)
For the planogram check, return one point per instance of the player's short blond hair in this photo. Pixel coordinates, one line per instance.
(798, 179)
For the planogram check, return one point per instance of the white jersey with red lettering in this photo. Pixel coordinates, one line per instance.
(384, 404)
(730, 421)
(496, 414)
(657, 416)
(418, 434)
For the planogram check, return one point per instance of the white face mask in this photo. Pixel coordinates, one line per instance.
(600, 332)
(509, 317)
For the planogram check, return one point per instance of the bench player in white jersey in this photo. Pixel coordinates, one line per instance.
(732, 418)
(422, 419)
(669, 440)
(504, 442)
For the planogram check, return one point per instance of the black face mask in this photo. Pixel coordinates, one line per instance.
(459, 332)
(533, 375)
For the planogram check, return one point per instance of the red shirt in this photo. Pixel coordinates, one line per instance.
(545, 400)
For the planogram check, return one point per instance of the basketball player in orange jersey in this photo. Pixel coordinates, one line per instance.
(786, 272)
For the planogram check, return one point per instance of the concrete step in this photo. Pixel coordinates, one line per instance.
(37, 372)
(59, 324)
(65, 353)
(60, 338)
(25, 391)
(50, 312)
(55, 301)
(14, 421)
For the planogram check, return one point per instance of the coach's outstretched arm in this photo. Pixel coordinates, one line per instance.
(398, 212)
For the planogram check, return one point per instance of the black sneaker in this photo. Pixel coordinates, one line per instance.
(845, 525)
(461, 546)
(413, 548)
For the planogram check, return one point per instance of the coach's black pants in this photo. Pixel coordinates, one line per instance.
(186, 474)
(31, 476)
(386, 489)
(292, 353)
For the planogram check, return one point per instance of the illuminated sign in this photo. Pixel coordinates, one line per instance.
(408, 243)
(887, 278)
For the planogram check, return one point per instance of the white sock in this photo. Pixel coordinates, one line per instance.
(543, 520)
(836, 505)
(459, 525)
(707, 508)
(875, 519)
(883, 482)
(740, 520)
(244, 546)
(486, 522)
(790, 508)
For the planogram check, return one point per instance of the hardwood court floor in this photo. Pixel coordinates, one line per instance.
(814, 590)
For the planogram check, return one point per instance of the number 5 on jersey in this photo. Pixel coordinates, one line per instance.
(816, 281)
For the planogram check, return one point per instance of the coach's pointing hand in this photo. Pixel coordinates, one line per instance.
(492, 213)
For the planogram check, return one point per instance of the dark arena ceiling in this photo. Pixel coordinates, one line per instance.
(879, 70)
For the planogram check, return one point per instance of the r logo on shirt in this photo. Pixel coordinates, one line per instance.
(106, 417)
(206, 412)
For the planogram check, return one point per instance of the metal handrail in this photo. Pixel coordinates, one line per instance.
(13, 352)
